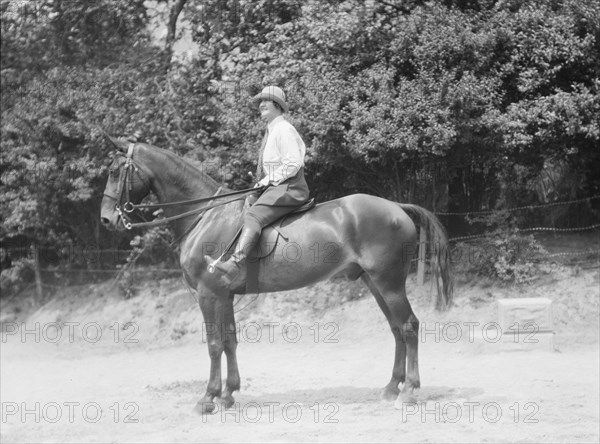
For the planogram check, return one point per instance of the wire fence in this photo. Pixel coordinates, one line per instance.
(526, 207)
(117, 264)
(527, 230)
(591, 254)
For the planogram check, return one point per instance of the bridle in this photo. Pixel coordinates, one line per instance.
(123, 204)
(125, 207)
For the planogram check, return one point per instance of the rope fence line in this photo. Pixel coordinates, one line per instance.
(525, 230)
(85, 248)
(109, 270)
(572, 253)
(178, 270)
(422, 260)
(590, 227)
(526, 207)
(540, 256)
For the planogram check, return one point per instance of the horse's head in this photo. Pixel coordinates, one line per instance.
(126, 185)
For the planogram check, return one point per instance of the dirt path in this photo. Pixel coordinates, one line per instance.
(316, 388)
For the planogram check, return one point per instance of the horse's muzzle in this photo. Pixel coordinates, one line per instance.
(111, 221)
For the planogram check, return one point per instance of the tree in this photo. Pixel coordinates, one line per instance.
(55, 62)
(458, 105)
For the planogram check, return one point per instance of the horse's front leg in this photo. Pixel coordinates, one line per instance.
(233, 376)
(212, 311)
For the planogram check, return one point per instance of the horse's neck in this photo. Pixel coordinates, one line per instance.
(175, 179)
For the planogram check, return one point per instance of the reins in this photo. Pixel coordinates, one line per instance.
(126, 184)
(192, 201)
(157, 222)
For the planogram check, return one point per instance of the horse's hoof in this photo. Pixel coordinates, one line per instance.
(205, 408)
(227, 401)
(390, 393)
(408, 395)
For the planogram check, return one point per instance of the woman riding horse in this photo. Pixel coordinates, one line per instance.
(280, 169)
(354, 236)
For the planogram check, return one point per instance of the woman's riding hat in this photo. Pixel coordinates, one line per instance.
(273, 93)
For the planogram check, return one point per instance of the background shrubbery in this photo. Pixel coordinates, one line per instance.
(453, 105)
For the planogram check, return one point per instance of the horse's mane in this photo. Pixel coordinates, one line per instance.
(205, 177)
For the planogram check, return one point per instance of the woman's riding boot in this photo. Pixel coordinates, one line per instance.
(231, 268)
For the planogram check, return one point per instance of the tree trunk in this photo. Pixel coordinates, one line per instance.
(172, 30)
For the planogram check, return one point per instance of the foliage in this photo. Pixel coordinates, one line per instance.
(38, 34)
(507, 256)
(504, 253)
(384, 96)
(54, 73)
(454, 105)
(17, 277)
(150, 246)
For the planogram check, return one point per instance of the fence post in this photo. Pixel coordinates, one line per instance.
(38, 274)
(422, 253)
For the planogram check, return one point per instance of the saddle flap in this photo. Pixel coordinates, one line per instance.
(266, 245)
(270, 235)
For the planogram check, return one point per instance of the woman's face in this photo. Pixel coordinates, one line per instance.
(268, 110)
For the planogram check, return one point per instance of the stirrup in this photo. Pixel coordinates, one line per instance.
(212, 264)
(228, 270)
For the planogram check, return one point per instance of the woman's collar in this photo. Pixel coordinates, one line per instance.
(275, 121)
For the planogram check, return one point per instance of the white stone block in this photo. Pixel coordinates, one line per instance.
(528, 315)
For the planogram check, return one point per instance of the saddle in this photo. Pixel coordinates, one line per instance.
(269, 238)
(270, 235)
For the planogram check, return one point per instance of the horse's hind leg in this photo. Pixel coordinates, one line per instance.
(391, 390)
(390, 294)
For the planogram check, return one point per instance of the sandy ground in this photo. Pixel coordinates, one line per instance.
(314, 376)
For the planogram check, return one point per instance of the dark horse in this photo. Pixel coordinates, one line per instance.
(367, 236)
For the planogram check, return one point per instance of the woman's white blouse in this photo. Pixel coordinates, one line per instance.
(284, 152)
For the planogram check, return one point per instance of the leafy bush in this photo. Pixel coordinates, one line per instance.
(150, 248)
(17, 277)
(509, 256)
(153, 247)
(505, 254)
(469, 104)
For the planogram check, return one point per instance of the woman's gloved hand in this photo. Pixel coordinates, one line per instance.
(250, 200)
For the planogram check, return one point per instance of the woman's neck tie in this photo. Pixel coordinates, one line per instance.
(260, 172)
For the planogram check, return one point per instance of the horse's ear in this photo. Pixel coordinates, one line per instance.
(118, 143)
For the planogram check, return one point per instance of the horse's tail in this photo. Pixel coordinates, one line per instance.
(438, 243)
